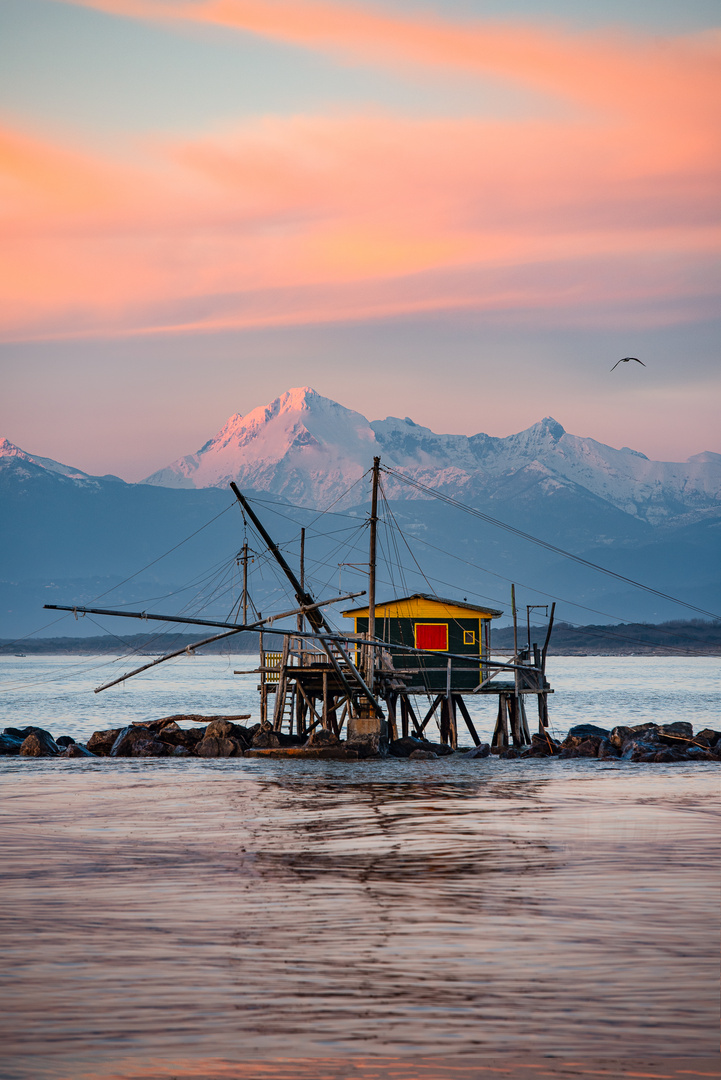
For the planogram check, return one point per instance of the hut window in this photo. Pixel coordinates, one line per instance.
(432, 636)
(469, 637)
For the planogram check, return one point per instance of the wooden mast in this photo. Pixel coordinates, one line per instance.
(370, 653)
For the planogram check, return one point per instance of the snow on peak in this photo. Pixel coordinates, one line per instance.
(308, 448)
(301, 445)
(9, 450)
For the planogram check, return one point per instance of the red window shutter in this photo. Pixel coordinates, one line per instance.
(432, 636)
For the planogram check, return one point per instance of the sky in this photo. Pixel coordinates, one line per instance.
(462, 211)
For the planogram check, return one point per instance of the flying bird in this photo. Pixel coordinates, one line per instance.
(625, 360)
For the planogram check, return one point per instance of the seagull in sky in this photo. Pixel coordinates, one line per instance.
(625, 360)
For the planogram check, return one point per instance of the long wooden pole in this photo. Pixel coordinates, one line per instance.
(301, 621)
(245, 581)
(370, 664)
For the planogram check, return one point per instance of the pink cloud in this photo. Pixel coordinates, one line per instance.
(316, 218)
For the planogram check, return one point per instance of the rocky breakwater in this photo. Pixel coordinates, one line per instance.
(647, 743)
(227, 737)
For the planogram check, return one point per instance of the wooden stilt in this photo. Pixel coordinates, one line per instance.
(523, 721)
(458, 698)
(404, 716)
(325, 699)
(500, 734)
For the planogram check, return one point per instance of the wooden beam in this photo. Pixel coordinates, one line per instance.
(466, 716)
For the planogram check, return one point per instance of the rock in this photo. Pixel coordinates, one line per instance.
(66, 740)
(607, 750)
(222, 727)
(569, 752)
(76, 750)
(321, 737)
(640, 750)
(422, 755)
(668, 754)
(644, 729)
(589, 747)
(180, 751)
(174, 736)
(508, 753)
(586, 731)
(544, 745)
(696, 753)
(265, 738)
(10, 744)
(219, 729)
(405, 746)
(619, 736)
(708, 736)
(39, 743)
(214, 746)
(101, 742)
(484, 750)
(20, 733)
(137, 742)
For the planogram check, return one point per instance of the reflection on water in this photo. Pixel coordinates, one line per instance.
(184, 913)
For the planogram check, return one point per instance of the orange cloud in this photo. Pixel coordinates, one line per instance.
(625, 71)
(300, 218)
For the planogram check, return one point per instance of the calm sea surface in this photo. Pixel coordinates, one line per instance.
(388, 918)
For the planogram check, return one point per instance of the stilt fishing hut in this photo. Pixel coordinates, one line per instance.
(367, 681)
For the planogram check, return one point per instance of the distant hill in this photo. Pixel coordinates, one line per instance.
(676, 638)
(137, 645)
(681, 637)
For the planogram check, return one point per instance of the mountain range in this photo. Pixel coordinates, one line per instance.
(309, 449)
(69, 537)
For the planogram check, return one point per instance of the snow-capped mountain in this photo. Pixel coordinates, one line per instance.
(27, 466)
(309, 449)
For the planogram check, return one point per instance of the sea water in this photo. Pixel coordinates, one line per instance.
(255, 918)
(57, 692)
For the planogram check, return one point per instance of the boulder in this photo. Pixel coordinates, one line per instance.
(484, 750)
(508, 753)
(137, 742)
(222, 727)
(640, 750)
(265, 737)
(39, 743)
(678, 734)
(668, 754)
(10, 744)
(320, 737)
(544, 745)
(607, 750)
(66, 740)
(695, 753)
(585, 731)
(589, 747)
(619, 736)
(405, 746)
(422, 755)
(218, 746)
(20, 733)
(708, 737)
(101, 742)
(76, 750)
(174, 736)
